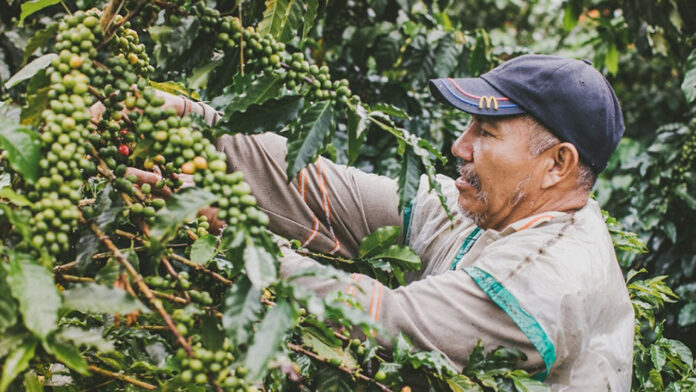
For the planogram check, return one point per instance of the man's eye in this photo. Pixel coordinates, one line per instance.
(486, 133)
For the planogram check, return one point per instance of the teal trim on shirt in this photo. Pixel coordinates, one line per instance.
(509, 304)
(407, 221)
(466, 246)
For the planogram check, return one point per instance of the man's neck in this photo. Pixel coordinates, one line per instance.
(568, 202)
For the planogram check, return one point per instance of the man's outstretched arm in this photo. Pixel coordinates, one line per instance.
(328, 207)
(448, 313)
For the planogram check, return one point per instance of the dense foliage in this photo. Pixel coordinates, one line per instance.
(107, 285)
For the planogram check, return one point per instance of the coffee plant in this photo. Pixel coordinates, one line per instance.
(111, 283)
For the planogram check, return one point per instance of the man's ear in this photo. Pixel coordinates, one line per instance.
(564, 159)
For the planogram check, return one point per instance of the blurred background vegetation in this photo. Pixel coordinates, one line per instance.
(388, 49)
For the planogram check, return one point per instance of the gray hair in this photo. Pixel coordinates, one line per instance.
(541, 139)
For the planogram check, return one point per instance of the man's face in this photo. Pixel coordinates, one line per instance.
(496, 169)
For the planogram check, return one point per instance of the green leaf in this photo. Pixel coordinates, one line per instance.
(259, 91)
(358, 121)
(14, 197)
(30, 69)
(327, 351)
(268, 338)
(33, 287)
(199, 77)
(106, 210)
(462, 383)
(19, 218)
(8, 306)
(310, 16)
(658, 356)
(333, 380)
(29, 7)
(272, 116)
(571, 14)
(68, 354)
(23, 148)
(611, 58)
(32, 383)
(36, 104)
(17, 362)
(242, 307)
(409, 179)
(212, 335)
(282, 19)
(259, 264)
(39, 39)
(181, 207)
(390, 110)
(203, 249)
(402, 255)
(687, 197)
(108, 274)
(11, 338)
(687, 314)
(91, 297)
(447, 54)
(525, 383)
(86, 337)
(295, 15)
(314, 130)
(379, 240)
(679, 350)
(688, 86)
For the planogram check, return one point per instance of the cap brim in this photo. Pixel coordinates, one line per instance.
(473, 95)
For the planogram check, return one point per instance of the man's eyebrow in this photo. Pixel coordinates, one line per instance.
(484, 120)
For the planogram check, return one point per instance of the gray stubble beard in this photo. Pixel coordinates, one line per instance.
(479, 218)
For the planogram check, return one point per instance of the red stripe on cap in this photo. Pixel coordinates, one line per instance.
(472, 95)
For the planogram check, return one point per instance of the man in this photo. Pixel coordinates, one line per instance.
(528, 262)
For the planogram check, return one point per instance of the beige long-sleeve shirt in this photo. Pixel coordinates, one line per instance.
(548, 284)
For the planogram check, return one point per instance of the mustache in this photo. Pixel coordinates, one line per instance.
(467, 171)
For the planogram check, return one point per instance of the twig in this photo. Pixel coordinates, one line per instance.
(241, 39)
(326, 257)
(201, 268)
(64, 267)
(142, 286)
(342, 368)
(86, 202)
(122, 377)
(76, 279)
(170, 297)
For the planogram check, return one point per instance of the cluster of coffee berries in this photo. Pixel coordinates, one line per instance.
(52, 222)
(208, 365)
(64, 129)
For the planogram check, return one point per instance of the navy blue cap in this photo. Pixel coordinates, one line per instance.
(569, 97)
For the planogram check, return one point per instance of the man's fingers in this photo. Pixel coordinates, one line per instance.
(96, 110)
(144, 177)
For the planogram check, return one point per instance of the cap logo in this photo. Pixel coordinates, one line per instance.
(488, 100)
(484, 101)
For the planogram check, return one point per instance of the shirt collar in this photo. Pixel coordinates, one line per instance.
(531, 221)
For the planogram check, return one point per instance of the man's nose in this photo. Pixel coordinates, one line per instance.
(463, 147)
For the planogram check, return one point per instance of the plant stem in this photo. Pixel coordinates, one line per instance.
(122, 377)
(142, 286)
(170, 297)
(326, 257)
(342, 368)
(201, 268)
(77, 279)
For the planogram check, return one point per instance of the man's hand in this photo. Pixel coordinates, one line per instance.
(151, 178)
(146, 177)
(182, 105)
